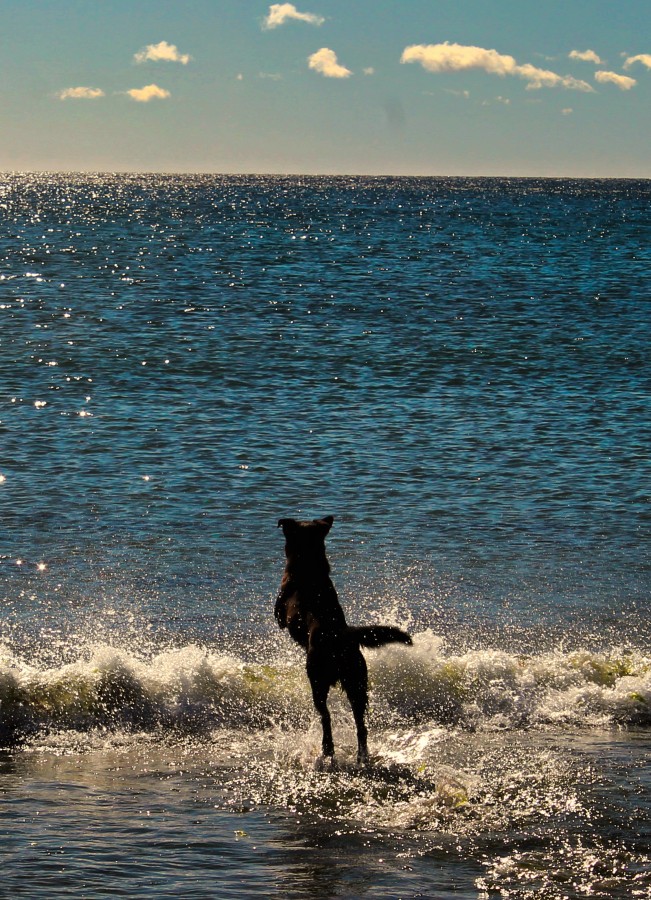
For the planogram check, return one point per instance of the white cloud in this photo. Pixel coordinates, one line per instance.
(567, 111)
(458, 57)
(623, 82)
(80, 93)
(369, 70)
(325, 62)
(279, 13)
(586, 56)
(644, 58)
(503, 100)
(453, 57)
(147, 93)
(162, 52)
(464, 94)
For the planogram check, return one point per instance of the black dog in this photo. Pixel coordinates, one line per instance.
(309, 608)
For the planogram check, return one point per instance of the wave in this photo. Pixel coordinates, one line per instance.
(197, 687)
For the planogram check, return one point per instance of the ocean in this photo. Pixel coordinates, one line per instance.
(458, 370)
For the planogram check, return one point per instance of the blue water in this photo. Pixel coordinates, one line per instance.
(458, 370)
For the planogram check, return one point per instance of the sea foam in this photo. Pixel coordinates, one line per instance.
(195, 687)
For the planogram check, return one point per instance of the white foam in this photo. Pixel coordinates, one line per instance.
(423, 690)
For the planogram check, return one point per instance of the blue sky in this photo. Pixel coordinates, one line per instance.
(440, 87)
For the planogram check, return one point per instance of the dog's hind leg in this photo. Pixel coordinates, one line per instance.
(320, 697)
(355, 684)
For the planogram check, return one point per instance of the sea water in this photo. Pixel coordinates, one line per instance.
(456, 369)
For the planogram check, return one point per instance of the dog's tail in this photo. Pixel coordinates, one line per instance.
(379, 635)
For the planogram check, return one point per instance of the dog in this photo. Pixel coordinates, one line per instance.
(308, 607)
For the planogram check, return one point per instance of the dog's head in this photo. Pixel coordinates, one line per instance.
(305, 540)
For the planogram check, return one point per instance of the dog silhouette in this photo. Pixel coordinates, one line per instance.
(308, 607)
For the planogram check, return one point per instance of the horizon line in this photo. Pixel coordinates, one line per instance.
(289, 174)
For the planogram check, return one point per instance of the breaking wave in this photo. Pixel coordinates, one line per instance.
(198, 687)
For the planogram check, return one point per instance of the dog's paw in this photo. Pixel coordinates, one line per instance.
(326, 764)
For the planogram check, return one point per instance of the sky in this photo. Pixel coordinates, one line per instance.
(400, 87)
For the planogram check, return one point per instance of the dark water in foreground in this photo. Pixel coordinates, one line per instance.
(459, 371)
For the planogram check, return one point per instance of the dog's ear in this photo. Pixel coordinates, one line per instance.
(327, 522)
(287, 524)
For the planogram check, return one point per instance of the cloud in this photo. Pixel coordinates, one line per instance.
(586, 56)
(464, 94)
(567, 111)
(325, 62)
(505, 101)
(369, 70)
(162, 52)
(147, 93)
(623, 82)
(644, 58)
(458, 57)
(279, 13)
(80, 93)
